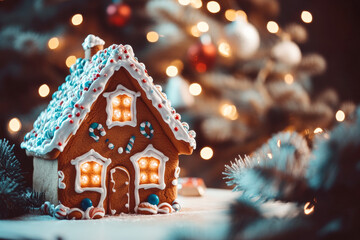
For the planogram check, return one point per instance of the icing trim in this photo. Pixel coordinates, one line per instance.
(94, 156)
(112, 171)
(73, 101)
(149, 151)
(61, 179)
(121, 90)
(176, 175)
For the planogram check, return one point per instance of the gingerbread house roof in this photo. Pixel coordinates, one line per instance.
(72, 101)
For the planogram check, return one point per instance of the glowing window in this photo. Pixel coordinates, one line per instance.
(90, 174)
(149, 170)
(121, 107)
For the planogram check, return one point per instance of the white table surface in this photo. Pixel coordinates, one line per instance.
(207, 216)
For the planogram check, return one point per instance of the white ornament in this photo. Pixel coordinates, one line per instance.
(286, 52)
(243, 38)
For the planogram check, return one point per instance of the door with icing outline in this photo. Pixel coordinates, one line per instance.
(119, 191)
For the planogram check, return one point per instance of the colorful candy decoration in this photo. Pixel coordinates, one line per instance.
(75, 213)
(111, 146)
(143, 125)
(130, 145)
(47, 208)
(165, 208)
(60, 211)
(147, 208)
(86, 203)
(153, 199)
(61, 175)
(96, 213)
(176, 205)
(99, 127)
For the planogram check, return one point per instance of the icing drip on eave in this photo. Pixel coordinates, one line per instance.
(72, 102)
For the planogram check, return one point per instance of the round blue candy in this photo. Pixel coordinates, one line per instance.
(86, 203)
(153, 199)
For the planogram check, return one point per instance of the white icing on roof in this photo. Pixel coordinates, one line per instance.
(71, 103)
(91, 41)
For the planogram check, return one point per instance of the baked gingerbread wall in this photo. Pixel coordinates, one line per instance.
(119, 136)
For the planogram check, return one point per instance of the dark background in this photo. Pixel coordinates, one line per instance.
(334, 33)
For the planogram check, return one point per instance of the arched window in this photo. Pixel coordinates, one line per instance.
(91, 173)
(149, 168)
(121, 107)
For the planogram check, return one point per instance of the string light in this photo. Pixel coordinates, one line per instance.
(340, 116)
(213, 7)
(272, 27)
(206, 153)
(154, 164)
(77, 19)
(289, 78)
(307, 209)
(202, 26)
(184, 2)
(196, 3)
(142, 163)
(70, 61)
(152, 36)
(53, 43)
(229, 111)
(97, 167)
(306, 16)
(195, 31)
(44, 90)
(154, 178)
(224, 49)
(85, 167)
(84, 180)
(171, 71)
(195, 89)
(143, 177)
(14, 125)
(95, 179)
(318, 130)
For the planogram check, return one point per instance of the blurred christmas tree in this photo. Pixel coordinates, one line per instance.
(234, 73)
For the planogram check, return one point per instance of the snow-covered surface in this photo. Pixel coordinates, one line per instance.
(203, 217)
(72, 102)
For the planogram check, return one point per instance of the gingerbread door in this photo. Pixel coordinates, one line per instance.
(118, 190)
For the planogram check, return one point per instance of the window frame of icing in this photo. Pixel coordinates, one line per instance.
(92, 156)
(121, 90)
(149, 151)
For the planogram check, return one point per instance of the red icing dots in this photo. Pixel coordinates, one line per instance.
(176, 129)
(94, 90)
(82, 107)
(177, 117)
(144, 80)
(76, 105)
(131, 65)
(69, 115)
(59, 143)
(57, 128)
(160, 106)
(71, 121)
(85, 89)
(97, 75)
(78, 114)
(125, 51)
(120, 57)
(111, 60)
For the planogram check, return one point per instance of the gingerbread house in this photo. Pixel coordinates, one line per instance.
(109, 135)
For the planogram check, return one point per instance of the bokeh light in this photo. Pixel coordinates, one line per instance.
(340, 116)
(14, 125)
(44, 90)
(152, 36)
(306, 16)
(202, 26)
(195, 89)
(272, 27)
(77, 19)
(53, 43)
(171, 71)
(213, 7)
(70, 60)
(206, 153)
